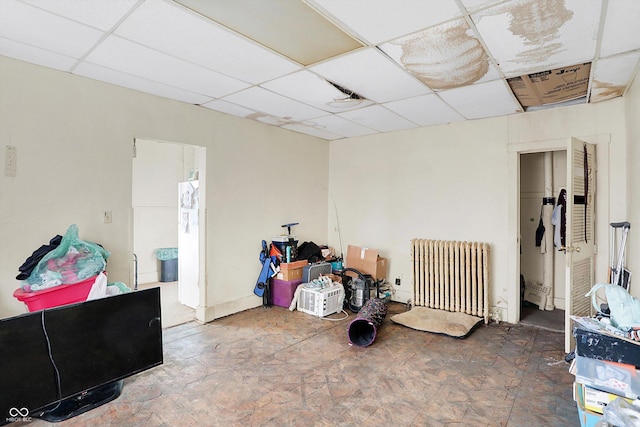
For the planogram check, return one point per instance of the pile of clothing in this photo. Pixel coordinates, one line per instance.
(65, 260)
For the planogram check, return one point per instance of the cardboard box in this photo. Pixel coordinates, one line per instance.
(289, 274)
(293, 265)
(552, 86)
(592, 399)
(587, 418)
(366, 261)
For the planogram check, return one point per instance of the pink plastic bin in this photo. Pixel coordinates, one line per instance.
(58, 295)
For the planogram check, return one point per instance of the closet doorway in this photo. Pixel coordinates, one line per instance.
(543, 177)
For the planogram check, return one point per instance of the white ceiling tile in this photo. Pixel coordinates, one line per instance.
(529, 35)
(425, 110)
(38, 28)
(340, 126)
(100, 14)
(482, 100)
(445, 56)
(380, 20)
(621, 29)
(229, 108)
(265, 101)
(35, 55)
(311, 89)
(122, 55)
(371, 74)
(137, 83)
(473, 5)
(378, 118)
(612, 75)
(312, 131)
(175, 30)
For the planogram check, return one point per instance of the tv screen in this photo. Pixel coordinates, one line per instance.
(55, 354)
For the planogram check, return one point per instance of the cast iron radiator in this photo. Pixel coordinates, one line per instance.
(451, 276)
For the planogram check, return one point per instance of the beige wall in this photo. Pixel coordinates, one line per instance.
(74, 144)
(443, 182)
(456, 181)
(461, 182)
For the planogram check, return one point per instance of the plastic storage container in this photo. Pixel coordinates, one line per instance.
(282, 291)
(55, 296)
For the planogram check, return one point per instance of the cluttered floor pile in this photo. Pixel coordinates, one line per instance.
(64, 271)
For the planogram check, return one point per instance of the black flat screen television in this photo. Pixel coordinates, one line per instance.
(65, 360)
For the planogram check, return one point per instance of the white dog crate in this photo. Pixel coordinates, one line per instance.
(321, 302)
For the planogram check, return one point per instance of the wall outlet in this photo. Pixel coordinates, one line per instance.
(398, 281)
(107, 217)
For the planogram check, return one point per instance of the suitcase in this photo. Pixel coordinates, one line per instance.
(313, 271)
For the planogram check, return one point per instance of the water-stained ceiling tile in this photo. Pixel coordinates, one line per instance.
(537, 35)
(442, 57)
(259, 99)
(612, 76)
(338, 125)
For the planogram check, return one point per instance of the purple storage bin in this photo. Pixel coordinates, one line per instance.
(282, 291)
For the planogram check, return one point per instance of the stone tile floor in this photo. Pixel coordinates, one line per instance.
(274, 367)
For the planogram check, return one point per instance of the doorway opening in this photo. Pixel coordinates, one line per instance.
(543, 177)
(164, 224)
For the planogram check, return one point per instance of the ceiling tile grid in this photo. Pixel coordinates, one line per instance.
(339, 68)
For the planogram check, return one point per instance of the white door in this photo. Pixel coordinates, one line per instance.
(579, 238)
(188, 243)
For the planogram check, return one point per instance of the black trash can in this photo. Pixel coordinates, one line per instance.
(169, 270)
(168, 264)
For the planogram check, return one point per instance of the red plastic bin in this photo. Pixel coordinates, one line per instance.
(55, 296)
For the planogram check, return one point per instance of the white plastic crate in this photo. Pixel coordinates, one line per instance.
(321, 302)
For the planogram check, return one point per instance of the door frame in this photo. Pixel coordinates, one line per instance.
(201, 165)
(602, 211)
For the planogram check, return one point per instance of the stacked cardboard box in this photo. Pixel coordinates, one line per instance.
(605, 366)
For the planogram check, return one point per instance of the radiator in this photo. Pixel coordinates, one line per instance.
(451, 276)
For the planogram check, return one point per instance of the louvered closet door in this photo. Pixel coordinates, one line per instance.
(581, 179)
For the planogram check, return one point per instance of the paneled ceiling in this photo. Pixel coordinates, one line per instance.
(339, 68)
